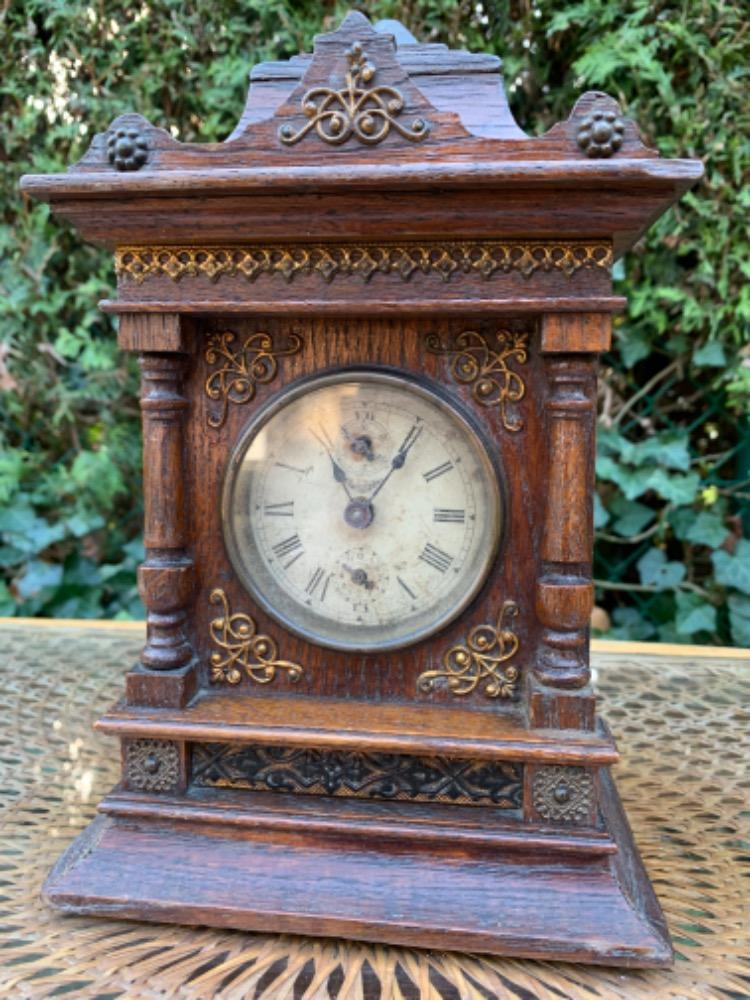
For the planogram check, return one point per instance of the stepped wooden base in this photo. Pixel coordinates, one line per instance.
(525, 892)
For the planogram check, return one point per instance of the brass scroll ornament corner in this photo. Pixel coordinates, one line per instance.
(486, 368)
(367, 114)
(487, 648)
(240, 369)
(242, 647)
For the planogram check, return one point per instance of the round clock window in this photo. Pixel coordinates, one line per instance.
(362, 510)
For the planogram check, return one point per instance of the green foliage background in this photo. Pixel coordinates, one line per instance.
(673, 554)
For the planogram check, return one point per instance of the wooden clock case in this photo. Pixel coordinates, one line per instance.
(377, 206)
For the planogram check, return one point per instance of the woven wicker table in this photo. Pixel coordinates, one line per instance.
(681, 719)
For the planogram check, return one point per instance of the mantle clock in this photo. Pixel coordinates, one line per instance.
(368, 326)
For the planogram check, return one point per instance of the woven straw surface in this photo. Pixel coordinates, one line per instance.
(682, 726)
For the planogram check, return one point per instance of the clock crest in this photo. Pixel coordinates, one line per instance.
(368, 327)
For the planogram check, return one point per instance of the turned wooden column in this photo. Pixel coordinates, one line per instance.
(166, 578)
(560, 696)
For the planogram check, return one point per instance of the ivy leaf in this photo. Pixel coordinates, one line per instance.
(7, 604)
(655, 571)
(693, 614)
(80, 525)
(710, 355)
(739, 619)
(706, 529)
(632, 517)
(675, 488)
(601, 515)
(635, 345)
(22, 529)
(630, 624)
(38, 577)
(734, 570)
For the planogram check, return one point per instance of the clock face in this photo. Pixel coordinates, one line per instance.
(362, 511)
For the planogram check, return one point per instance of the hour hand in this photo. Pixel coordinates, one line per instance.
(338, 473)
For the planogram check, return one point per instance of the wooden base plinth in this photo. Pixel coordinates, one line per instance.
(586, 902)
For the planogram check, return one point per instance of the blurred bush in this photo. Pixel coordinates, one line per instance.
(673, 519)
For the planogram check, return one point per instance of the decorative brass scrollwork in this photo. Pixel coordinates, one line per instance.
(366, 114)
(244, 648)
(241, 370)
(487, 648)
(485, 368)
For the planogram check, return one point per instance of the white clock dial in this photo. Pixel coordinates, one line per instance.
(362, 511)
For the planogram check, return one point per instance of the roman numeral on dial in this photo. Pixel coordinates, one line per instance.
(439, 470)
(291, 546)
(285, 509)
(449, 515)
(436, 558)
(315, 581)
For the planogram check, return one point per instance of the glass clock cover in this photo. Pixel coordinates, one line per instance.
(362, 510)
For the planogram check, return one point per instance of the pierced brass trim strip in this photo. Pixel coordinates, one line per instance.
(443, 259)
(366, 114)
(486, 369)
(243, 648)
(480, 659)
(239, 370)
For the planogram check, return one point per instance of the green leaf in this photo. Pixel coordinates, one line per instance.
(38, 577)
(97, 474)
(635, 345)
(7, 603)
(734, 570)
(694, 614)
(632, 517)
(80, 525)
(630, 624)
(675, 488)
(739, 619)
(706, 528)
(710, 355)
(601, 516)
(670, 450)
(655, 571)
(24, 530)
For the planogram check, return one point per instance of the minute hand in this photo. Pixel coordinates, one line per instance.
(399, 458)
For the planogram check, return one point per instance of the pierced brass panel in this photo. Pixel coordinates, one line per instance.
(329, 260)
